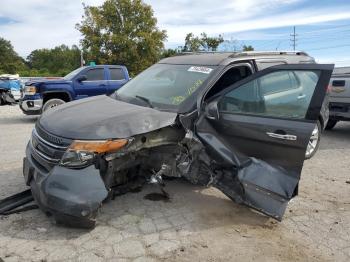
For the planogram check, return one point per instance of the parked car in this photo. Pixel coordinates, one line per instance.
(10, 89)
(84, 82)
(240, 122)
(340, 97)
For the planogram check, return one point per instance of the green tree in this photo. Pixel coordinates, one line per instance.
(168, 53)
(192, 43)
(211, 43)
(55, 62)
(203, 43)
(122, 32)
(248, 48)
(10, 61)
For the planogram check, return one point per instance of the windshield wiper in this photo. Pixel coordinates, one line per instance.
(145, 99)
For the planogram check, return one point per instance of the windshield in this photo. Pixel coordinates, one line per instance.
(71, 75)
(166, 85)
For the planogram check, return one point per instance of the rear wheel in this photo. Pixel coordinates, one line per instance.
(314, 141)
(52, 103)
(331, 123)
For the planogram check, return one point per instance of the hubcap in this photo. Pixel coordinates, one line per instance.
(313, 141)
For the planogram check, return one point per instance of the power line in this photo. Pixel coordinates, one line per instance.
(329, 47)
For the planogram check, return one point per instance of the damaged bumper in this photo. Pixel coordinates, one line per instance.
(58, 192)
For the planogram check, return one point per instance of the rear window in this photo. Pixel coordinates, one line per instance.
(117, 74)
(95, 74)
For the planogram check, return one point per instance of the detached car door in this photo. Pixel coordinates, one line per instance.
(257, 131)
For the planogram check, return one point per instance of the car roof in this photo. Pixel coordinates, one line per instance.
(225, 58)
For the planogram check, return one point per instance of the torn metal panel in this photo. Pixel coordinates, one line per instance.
(267, 188)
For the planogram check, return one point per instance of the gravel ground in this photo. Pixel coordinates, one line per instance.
(198, 224)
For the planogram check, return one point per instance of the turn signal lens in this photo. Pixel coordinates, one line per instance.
(98, 146)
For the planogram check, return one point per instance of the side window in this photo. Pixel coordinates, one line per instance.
(284, 94)
(230, 77)
(96, 74)
(117, 74)
(338, 83)
(281, 81)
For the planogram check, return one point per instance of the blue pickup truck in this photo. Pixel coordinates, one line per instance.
(81, 83)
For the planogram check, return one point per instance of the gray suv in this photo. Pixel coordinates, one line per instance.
(240, 122)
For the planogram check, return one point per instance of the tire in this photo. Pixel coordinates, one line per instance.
(52, 103)
(331, 123)
(314, 141)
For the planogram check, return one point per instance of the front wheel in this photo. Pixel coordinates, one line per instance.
(52, 103)
(314, 141)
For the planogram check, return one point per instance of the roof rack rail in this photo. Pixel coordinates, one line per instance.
(248, 53)
(205, 52)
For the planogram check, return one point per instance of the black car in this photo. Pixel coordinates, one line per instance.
(240, 122)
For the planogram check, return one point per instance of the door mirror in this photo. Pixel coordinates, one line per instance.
(212, 111)
(82, 78)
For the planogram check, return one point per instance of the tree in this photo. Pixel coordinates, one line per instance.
(58, 61)
(192, 43)
(248, 48)
(122, 32)
(168, 53)
(203, 43)
(211, 43)
(10, 61)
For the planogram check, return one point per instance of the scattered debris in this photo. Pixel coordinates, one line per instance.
(17, 203)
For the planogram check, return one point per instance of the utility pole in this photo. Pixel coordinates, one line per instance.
(294, 38)
(82, 62)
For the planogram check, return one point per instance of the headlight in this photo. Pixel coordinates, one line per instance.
(82, 153)
(29, 90)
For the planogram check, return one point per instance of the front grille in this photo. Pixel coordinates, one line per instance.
(48, 149)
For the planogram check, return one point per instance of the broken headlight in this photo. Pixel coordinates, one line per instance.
(81, 154)
(29, 90)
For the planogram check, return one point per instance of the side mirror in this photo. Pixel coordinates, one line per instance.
(82, 78)
(212, 110)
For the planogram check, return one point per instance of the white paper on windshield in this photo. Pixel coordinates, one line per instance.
(200, 69)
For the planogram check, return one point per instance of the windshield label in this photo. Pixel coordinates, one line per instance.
(200, 69)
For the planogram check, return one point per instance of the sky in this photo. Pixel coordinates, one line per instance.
(322, 26)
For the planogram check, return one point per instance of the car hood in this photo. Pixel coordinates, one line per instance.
(103, 117)
(47, 81)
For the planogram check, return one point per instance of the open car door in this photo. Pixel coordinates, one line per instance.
(257, 131)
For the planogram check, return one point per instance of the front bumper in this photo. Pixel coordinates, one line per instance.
(339, 111)
(31, 107)
(73, 197)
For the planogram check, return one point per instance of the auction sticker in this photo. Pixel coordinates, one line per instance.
(200, 69)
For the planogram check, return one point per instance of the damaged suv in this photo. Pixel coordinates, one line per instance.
(240, 122)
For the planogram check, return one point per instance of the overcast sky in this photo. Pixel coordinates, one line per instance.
(323, 26)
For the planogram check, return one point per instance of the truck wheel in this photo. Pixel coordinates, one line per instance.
(52, 103)
(314, 141)
(331, 124)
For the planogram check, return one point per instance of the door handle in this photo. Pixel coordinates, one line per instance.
(283, 137)
(301, 96)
